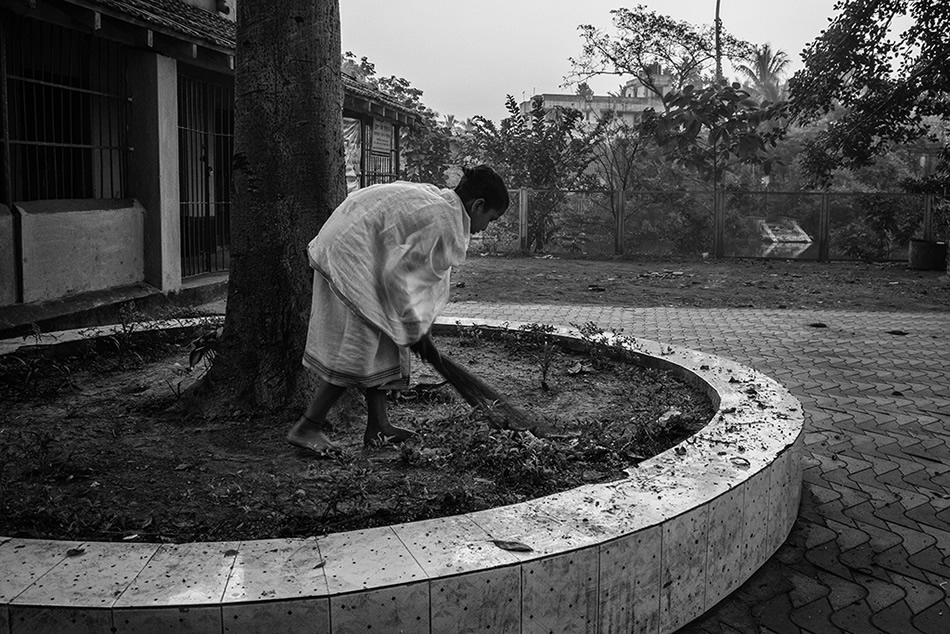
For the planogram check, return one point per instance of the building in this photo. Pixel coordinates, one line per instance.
(116, 132)
(628, 105)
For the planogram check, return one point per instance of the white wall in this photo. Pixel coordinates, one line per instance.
(76, 246)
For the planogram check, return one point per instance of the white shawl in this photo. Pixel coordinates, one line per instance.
(388, 251)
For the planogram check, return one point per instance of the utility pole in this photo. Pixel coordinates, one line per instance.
(718, 44)
(718, 216)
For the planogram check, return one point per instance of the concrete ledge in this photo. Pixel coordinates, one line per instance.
(649, 553)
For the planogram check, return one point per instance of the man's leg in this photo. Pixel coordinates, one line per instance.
(378, 427)
(308, 430)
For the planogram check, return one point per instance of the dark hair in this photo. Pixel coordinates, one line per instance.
(483, 182)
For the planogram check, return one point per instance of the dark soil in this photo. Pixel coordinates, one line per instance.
(89, 449)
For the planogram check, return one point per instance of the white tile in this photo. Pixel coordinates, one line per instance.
(683, 562)
(276, 617)
(403, 608)
(182, 575)
(177, 619)
(560, 593)
(617, 583)
(488, 601)
(451, 545)
(647, 559)
(794, 483)
(724, 547)
(23, 561)
(36, 620)
(93, 576)
(371, 558)
(779, 494)
(546, 528)
(265, 570)
(755, 518)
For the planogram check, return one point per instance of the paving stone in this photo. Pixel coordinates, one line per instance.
(895, 619)
(827, 557)
(935, 619)
(920, 594)
(854, 618)
(815, 617)
(926, 514)
(913, 541)
(848, 536)
(841, 591)
(881, 592)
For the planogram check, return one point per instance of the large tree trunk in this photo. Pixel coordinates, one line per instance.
(288, 176)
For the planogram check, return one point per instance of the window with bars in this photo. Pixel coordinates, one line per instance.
(67, 108)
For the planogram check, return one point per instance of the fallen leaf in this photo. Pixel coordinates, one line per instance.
(75, 552)
(514, 546)
(739, 461)
(230, 553)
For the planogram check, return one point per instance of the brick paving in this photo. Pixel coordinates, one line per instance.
(870, 551)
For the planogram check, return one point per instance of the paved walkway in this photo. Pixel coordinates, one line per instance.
(871, 549)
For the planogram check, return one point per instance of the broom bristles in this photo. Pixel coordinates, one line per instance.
(477, 393)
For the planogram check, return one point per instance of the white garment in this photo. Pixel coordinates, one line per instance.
(388, 250)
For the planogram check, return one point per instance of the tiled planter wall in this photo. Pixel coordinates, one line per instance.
(648, 553)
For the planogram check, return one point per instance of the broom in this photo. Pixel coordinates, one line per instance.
(477, 393)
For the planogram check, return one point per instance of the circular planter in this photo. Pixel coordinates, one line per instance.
(927, 255)
(648, 553)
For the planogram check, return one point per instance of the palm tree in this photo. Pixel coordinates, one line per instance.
(764, 71)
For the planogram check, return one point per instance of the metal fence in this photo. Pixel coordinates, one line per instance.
(66, 109)
(800, 225)
(205, 144)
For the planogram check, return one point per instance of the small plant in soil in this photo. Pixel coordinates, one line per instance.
(100, 456)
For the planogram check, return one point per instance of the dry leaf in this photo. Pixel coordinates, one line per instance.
(514, 546)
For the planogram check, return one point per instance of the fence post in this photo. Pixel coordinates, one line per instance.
(928, 217)
(719, 225)
(824, 228)
(523, 218)
(620, 209)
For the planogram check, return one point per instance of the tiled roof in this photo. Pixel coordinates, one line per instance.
(198, 24)
(174, 15)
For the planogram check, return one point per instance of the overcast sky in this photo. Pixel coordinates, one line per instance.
(467, 55)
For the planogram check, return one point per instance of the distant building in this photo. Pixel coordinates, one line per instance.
(628, 105)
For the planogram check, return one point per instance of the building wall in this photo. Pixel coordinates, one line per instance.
(7, 261)
(153, 170)
(76, 246)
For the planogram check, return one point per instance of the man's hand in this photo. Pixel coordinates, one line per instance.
(426, 349)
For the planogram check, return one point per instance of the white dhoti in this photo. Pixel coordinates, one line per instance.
(342, 349)
(382, 264)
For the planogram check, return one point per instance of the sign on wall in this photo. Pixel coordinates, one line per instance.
(382, 137)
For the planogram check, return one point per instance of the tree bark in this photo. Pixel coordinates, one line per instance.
(288, 176)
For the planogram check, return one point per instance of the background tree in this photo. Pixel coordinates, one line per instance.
(888, 85)
(763, 69)
(647, 44)
(288, 175)
(544, 149)
(710, 130)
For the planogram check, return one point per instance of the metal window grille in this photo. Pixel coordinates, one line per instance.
(67, 108)
(205, 145)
